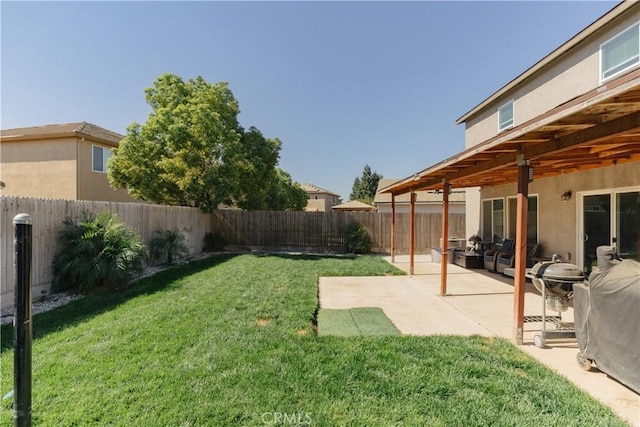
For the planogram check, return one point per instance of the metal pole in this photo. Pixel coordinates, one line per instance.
(22, 326)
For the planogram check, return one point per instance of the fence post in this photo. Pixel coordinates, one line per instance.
(22, 326)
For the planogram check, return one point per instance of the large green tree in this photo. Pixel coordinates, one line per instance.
(191, 151)
(364, 187)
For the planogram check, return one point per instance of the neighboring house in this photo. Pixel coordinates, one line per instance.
(61, 161)
(574, 118)
(426, 201)
(319, 199)
(354, 206)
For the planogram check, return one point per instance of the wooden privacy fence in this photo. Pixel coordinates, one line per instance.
(308, 231)
(48, 215)
(325, 231)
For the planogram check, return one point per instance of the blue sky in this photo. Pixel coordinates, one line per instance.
(342, 84)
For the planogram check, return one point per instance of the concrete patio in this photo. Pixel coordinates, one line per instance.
(477, 302)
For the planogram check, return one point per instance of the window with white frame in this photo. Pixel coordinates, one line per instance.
(505, 116)
(532, 219)
(100, 157)
(620, 53)
(493, 220)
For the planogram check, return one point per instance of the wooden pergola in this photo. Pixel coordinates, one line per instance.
(597, 129)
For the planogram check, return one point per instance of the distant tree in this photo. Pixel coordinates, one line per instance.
(284, 194)
(364, 187)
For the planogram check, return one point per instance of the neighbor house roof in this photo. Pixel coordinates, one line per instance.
(563, 49)
(79, 129)
(314, 189)
(354, 205)
(422, 197)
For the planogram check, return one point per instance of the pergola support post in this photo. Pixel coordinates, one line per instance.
(446, 189)
(412, 232)
(521, 250)
(393, 228)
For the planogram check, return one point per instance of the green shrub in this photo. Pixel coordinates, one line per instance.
(98, 251)
(213, 242)
(358, 239)
(168, 246)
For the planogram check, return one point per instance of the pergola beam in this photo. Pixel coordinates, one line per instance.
(522, 206)
(490, 164)
(446, 189)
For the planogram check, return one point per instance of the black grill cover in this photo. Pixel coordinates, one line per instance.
(607, 321)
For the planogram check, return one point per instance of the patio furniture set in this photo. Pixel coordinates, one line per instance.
(495, 257)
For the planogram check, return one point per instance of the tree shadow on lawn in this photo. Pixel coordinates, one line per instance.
(96, 303)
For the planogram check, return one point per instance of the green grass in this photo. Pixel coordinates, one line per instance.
(366, 321)
(230, 341)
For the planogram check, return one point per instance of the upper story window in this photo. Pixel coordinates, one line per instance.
(100, 157)
(620, 53)
(505, 116)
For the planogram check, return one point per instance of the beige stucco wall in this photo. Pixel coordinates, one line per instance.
(95, 185)
(321, 202)
(48, 168)
(575, 74)
(45, 168)
(472, 217)
(557, 220)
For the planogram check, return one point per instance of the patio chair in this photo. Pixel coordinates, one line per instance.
(508, 259)
(491, 255)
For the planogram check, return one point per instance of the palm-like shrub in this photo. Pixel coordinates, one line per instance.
(168, 246)
(97, 251)
(358, 239)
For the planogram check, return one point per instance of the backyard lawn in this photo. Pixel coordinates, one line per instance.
(230, 341)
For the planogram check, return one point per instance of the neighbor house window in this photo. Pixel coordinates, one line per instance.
(620, 53)
(532, 219)
(100, 157)
(493, 220)
(505, 116)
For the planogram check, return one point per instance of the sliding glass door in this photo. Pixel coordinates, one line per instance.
(610, 218)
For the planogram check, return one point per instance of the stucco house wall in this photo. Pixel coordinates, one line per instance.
(55, 161)
(320, 199)
(44, 168)
(572, 73)
(557, 221)
(94, 185)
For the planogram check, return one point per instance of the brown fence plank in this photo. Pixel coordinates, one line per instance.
(48, 215)
(309, 231)
(324, 231)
